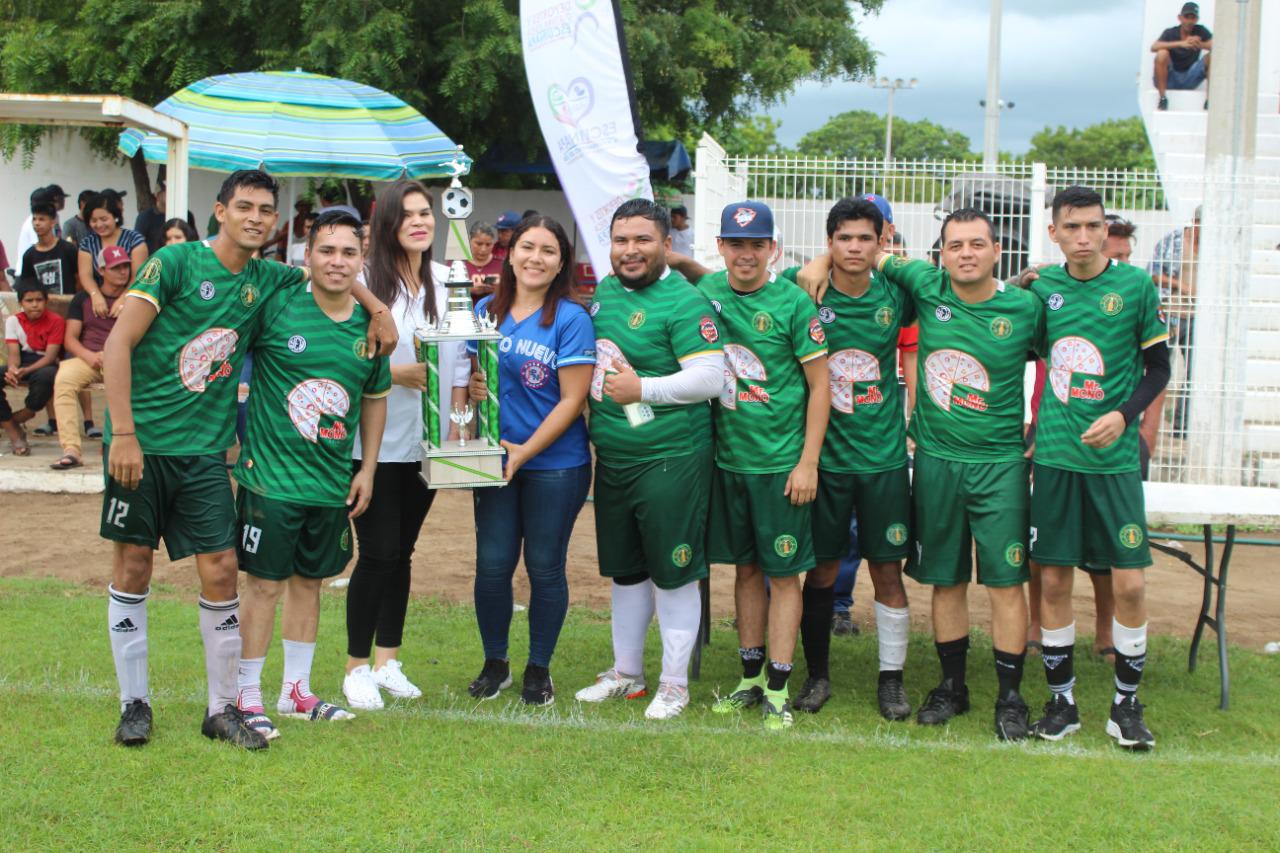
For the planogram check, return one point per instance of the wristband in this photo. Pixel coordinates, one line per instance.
(114, 433)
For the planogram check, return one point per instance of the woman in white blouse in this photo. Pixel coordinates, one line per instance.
(400, 271)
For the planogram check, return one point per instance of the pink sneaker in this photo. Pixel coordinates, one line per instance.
(297, 701)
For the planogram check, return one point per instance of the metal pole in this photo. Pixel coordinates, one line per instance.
(888, 130)
(991, 125)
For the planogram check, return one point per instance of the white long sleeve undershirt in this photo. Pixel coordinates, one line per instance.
(699, 378)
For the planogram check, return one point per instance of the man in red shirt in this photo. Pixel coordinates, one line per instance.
(33, 338)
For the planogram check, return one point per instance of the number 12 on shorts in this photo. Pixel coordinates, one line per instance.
(116, 511)
(250, 538)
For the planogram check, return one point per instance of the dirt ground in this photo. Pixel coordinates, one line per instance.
(67, 546)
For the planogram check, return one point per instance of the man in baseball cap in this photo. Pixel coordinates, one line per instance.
(506, 226)
(748, 220)
(1179, 64)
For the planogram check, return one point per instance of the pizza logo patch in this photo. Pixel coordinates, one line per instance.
(744, 216)
(1055, 301)
(1131, 536)
(816, 334)
(313, 399)
(785, 546)
(681, 556)
(207, 357)
(741, 363)
(609, 359)
(896, 534)
(1111, 304)
(1072, 355)
(207, 290)
(636, 320)
(944, 369)
(762, 322)
(151, 272)
(846, 368)
(1001, 328)
(943, 313)
(534, 374)
(884, 316)
(707, 328)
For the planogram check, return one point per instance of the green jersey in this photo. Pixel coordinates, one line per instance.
(1096, 332)
(867, 432)
(769, 335)
(309, 377)
(969, 374)
(650, 331)
(187, 366)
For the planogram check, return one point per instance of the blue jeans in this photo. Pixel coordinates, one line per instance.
(536, 509)
(848, 573)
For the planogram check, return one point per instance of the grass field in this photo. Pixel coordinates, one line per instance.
(444, 773)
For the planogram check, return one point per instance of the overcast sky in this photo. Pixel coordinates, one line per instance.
(1070, 63)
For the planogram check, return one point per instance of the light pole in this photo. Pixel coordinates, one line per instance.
(991, 125)
(892, 86)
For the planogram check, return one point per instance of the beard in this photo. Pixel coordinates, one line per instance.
(648, 278)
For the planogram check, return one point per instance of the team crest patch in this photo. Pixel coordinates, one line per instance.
(1160, 315)
(762, 322)
(744, 216)
(816, 334)
(681, 556)
(884, 316)
(943, 313)
(595, 309)
(535, 374)
(151, 272)
(716, 305)
(896, 534)
(1001, 328)
(360, 348)
(785, 545)
(207, 290)
(344, 541)
(826, 315)
(1014, 554)
(1131, 536)
(1111, 304)
(1055, 301)
(636, 320)
(297, 343)
(707, 328)
(899, 261)
(248, 294)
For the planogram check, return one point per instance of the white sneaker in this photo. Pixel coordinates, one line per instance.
(360, 689)
(670, 701)
(391, 679)
(613, 685)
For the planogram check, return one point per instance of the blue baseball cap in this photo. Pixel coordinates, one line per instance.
(879, 201)
(750, 219)
(508, 219)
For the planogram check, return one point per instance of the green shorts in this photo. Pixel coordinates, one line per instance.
(753, 521)
(882, 502)
(651, 518)
(1095, 521)
(955, 504)
(186, 500)
(279, 539)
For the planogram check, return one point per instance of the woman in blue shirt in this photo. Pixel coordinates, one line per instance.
(545, 361)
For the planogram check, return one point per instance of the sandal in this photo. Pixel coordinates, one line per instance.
(67, 461)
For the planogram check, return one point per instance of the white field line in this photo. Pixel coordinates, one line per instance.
(572, 716)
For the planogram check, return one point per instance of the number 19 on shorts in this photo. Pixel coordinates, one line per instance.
(250, 538)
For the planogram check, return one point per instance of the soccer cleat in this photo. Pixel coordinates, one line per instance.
(1127, 727)
(777, 710)
(360, 689)
(135, 724)
(494, 677)
(229, 725)
(391, 678)
(670, 701)
(842, 624)
(943, 703)
(1060, 719)
(538, 689)
(612, 684)
(813, 695)
(1162, 104)
(1011, 717)
(748, 694)
(892, 698)
(297, 701)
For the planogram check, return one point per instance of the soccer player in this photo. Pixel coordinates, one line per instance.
(768, 443)
(170, 367)
(311, 386)
(659, 359)
(863, 468)
(1108, 357)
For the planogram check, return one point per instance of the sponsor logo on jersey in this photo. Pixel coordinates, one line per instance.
(297, 343)
(681, 556)
(595, 309)
(1111, 304)
(884, 316)
(609, 359)
(816, 334)
(741, 363)
(534, 374)
(248, 294)
(344, 541)
(207, 357)
(360, 349)
(707, 328)
(1160, 315)
(1055, 301)
(785, 546)
(1069, 356)
(896, 534)
(1131, 536)
(312, 399)
(1001, 328)
(826, 315)
(944, 369)
(847, 367)
(943, 313)
(762, 322)
(207, 290)
(636, 320)
(150, 272)
(754, 394)
(715, 303)
(1015, 553)
(744, 216)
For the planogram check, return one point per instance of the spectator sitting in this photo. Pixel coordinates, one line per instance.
(76, 228)
(86, 336)
(50, 261)
(51, 194)
(34, 338)
(1178, 61)
(681, 233)
(483, 267)
(151, 222)
(105, 223)
(179, 231)
(506, 224)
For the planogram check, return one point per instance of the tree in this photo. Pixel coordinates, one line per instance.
(859, 135)
(748, 136)
(1113, 144)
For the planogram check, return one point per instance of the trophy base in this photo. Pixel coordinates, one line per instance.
(453, 465)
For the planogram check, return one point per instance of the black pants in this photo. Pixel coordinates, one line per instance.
(379, 593)
(39, 391)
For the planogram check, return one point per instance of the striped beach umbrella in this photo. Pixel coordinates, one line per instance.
(296, 124)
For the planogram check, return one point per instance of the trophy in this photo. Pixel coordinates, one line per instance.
(459, 464)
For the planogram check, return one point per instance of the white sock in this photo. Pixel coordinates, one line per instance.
(220, 630)
(679, 614)
(1131, 647)
(632, 612)
(297, 664)
(893, 625)
(249, 681)
(127, 625)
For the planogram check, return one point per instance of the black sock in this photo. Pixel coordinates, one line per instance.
(952, 655)
(778, 675)
(88, 424)
(890, 675)
(752, 661)
(1009, 671)
(1129, 673)
(1059, 669)
(815, 630)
